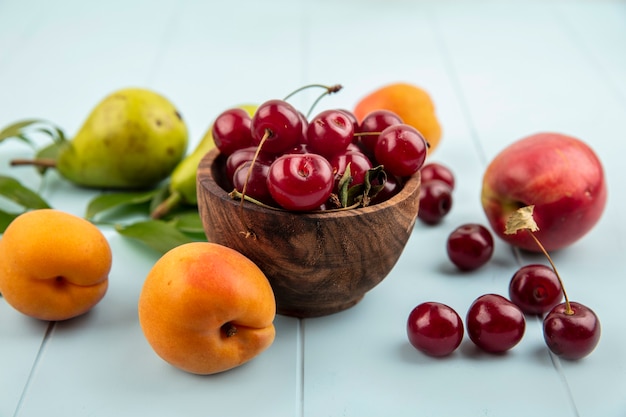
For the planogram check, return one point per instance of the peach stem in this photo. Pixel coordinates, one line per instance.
(568, 308)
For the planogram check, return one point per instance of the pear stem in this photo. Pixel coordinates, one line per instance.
(568, 308)
(43, 162)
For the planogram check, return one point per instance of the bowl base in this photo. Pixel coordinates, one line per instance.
(318, 311)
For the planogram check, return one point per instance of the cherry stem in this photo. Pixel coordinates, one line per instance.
(329, 90)
(266, 135)
(568, 308)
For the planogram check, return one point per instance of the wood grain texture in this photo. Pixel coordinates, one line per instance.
(317, 263)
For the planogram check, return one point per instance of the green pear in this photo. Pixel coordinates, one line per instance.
(133, 138)
(182, 185)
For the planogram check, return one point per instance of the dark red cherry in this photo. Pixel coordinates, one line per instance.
(494, 323)
(535, 289)
(571, 336)
(434, 329)
(437, 171)
(470, 246)
(435, 201)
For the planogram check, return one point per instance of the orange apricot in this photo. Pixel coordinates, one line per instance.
(206, 308)
(412, 103)
(53, 265)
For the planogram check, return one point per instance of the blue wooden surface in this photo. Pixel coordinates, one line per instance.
(497, 70)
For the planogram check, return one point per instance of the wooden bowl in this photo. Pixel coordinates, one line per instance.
(317, 263)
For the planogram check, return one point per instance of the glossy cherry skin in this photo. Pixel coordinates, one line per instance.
(571, 336)
(535, 289)
(494, 323)
(437, 171)
(329, 133)
(231, 130)
(240, 156)
(300, 182)
(372, 125)
(355, 122)
(279, 122)
(434, 329)
(359, 165)
(401, 149)
(254, 180)
(470, 246)
(435, 201)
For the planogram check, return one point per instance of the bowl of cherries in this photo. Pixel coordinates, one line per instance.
(324, 206)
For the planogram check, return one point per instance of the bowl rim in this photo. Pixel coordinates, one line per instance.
(411, 186)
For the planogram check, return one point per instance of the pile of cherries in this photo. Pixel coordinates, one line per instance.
(495, 323)
(280, 158)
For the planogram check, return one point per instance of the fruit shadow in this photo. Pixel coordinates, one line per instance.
(70, 325)
(467, 350)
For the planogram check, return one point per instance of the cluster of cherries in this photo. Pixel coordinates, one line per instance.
(280, 158)
(470, 245)
(495, 323)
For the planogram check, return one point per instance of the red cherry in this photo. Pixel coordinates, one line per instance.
(535, 289)
(359, 165)
(470, 246)
(256, 185)
(435, 201)
(329, 133)
(300, 181)
(372, 125)
(279, 122)
(240, 156)
(434, 329)
(494, 323)
(571, 336)
(437, 171)
(231, 130)
(401, 149)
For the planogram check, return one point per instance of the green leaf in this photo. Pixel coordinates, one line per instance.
(189, 222)
(15, 130)
(19, 130)
(5, 219)
(157, 234)
(54, 132)
(108, 202)
(13, 190)
(343, 186)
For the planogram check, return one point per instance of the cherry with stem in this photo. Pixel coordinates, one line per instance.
(571, 330)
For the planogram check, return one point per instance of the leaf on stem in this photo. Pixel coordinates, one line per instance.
(189, 222)
(20, 130)
(521, 219)
(108, 202)
(159, 235)
(13, 190)
(373, 182)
